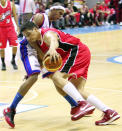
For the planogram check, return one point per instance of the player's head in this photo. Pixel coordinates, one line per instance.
(56, 11)
(30, 31)
(38, 19)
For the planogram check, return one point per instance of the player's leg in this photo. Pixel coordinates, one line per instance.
(3, 44)
(71, 90)
(58, 81)
(79, 83)
(13, 62)
(2, 54)
(70, 100)
(32, 68)
(13, 42)
(10, 112)
(65, 85)
(87, 108)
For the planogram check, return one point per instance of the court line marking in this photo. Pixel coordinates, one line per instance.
(35, 94)
(101, 61)
(115, 59)
(112, 90)
(10, 81)
(105, 55)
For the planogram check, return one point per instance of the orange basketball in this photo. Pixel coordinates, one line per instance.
(52, 67)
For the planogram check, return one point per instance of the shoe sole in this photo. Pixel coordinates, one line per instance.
(89, 113)
(7, 120)
(110, 121)
(82, 114)
(3, 69)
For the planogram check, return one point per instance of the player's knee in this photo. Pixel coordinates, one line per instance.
(56, 76)
(34, 77)
(53, 76)
(58, 79)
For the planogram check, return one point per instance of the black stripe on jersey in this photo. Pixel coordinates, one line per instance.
(73, 53)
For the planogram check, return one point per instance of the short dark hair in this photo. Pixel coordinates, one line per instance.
(28, 25)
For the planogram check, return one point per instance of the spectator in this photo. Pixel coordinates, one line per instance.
(120, 12)
(85, 15)
(115, 4)
(112, 17)
(59, 23)
(70, 16)
(27, 9)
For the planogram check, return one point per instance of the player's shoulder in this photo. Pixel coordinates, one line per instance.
(23, 41)
(38, 16)
(49, 30)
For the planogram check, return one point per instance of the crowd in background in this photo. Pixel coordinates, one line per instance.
(77, 13)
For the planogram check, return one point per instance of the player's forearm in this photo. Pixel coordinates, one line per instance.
(51, 40)
(53, 44)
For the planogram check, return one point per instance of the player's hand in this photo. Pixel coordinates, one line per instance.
(53, 54)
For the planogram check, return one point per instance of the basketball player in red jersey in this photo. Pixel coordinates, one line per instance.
(76, 59)
(7, 30)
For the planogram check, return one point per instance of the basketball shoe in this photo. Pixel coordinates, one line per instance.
(75, 109)
(84, 108)
(9, 116)
(14, 65)
(109, 116)
(3, 67)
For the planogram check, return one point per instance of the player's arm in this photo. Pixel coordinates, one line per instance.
(15, 14)
(51, 39)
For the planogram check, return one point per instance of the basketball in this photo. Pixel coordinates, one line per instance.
(52, 66)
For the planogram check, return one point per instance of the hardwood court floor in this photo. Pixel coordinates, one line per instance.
(104, 81)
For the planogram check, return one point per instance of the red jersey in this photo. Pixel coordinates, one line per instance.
(75, 55)
(5, 14)
(66, 42)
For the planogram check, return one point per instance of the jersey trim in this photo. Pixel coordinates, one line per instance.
(71, 59)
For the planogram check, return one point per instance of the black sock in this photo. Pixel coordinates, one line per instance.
(13, 57)
(3, 60)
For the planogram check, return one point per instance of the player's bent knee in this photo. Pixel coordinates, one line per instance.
(54, 76)
(34, 77)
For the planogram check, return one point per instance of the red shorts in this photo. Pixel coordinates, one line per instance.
(81, 64)
(8, 33)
